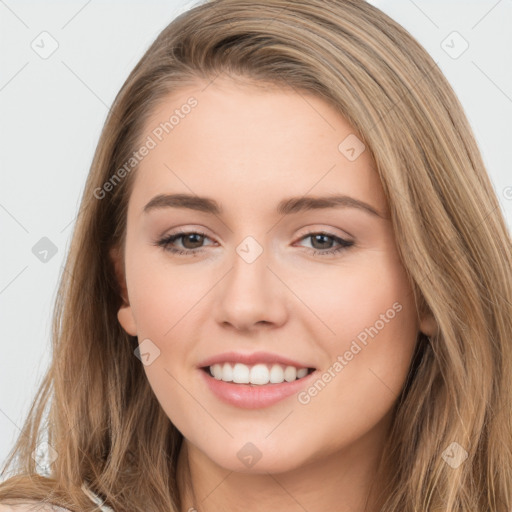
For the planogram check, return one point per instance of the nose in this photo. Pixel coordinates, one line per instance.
(251, 295)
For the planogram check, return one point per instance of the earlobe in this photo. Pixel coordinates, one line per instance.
(428, 324)
(125, 313)
(125, 317)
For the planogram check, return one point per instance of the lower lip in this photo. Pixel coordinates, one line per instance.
(249, 396)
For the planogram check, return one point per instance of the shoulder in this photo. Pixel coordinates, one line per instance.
(32, 506)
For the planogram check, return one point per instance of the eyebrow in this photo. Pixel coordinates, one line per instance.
(287, 206)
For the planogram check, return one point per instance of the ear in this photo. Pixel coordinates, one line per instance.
(125, 313)
(428, 324)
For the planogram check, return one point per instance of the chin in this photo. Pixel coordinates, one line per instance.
(259, 457)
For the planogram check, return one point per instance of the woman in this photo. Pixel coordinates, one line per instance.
(210, 352)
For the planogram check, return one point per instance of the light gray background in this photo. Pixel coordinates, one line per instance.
(52, 110)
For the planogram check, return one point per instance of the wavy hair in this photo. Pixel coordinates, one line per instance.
(95, 405)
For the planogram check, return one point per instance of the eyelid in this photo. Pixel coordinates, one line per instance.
(200, 230)
(330, 231)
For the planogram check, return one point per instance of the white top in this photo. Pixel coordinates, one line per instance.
(36, 506)
(96, 500)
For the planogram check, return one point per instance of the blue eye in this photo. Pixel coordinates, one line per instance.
(197, 238)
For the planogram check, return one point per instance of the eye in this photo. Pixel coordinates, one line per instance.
(322, 246)
(191, 241)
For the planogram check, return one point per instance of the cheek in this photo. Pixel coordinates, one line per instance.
(164, 294)
(165, 300)
(369, 334)
(364, 291)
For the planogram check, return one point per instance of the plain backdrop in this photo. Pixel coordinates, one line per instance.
(61, 65)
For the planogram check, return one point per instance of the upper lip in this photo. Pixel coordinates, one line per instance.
(251, 359)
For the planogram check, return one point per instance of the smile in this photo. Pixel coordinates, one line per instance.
(259, 374)
(247, 394)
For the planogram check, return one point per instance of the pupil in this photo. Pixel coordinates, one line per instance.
(318, 237)
(191, 237)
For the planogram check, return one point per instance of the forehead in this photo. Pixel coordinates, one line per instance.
(242, 143)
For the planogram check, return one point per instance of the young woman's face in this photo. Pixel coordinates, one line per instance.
(269, 280)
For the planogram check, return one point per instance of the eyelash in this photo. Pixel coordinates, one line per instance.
(166, 241)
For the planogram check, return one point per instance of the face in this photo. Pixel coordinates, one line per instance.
(248, 273)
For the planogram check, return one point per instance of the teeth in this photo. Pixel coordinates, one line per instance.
(276, 374)
(217, 371)
(302, 373)
(240, 374)
(290, 373)
(227, 372)
(259, 374)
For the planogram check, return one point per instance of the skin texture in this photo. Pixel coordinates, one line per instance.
(248, 149)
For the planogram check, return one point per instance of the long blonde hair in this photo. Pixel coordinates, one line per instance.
(95, 404)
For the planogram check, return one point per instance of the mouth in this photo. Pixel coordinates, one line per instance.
(255, 386)
(257, 375)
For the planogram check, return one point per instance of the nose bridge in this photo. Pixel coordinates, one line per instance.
(251, 293)
(250, 267)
